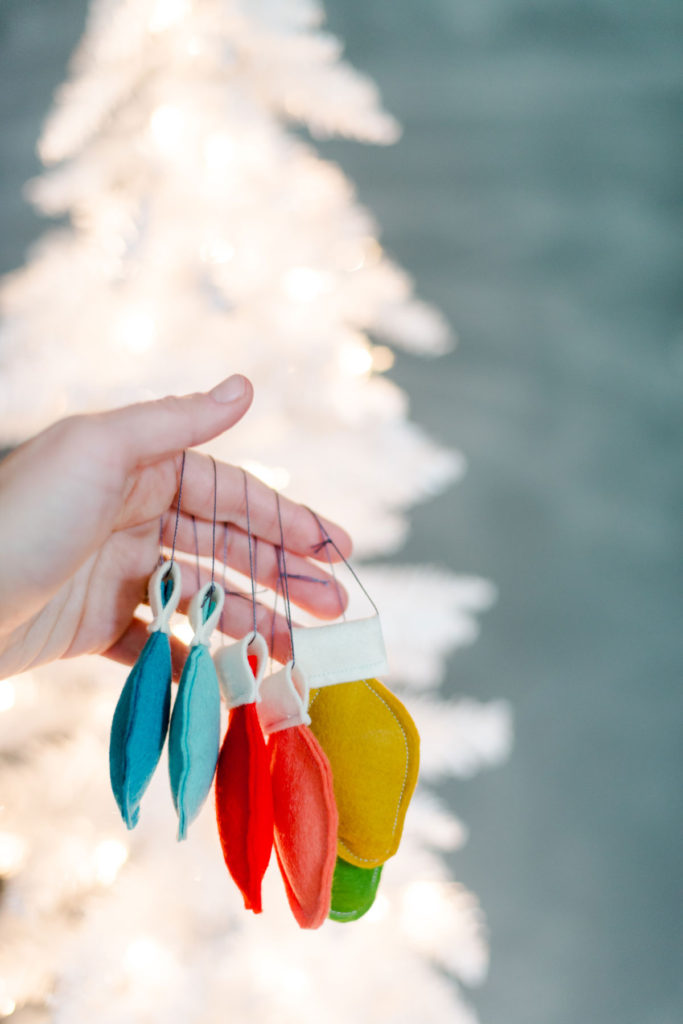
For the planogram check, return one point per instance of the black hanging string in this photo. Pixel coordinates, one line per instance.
(177, 511)
(277, 595)
(213, 525)
(196, 552)
(285, 582)
(208, 598)
(251, 557)
(224, 577)
(160, 560)
(327, 540)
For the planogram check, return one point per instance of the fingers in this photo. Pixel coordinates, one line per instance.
(149, 431)
(310, 586)
(302, 533)
(238, 620)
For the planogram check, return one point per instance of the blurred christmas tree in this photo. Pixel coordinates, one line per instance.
(207, 237)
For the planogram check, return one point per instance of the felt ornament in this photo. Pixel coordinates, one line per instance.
(367, 734)
(244, 803)
(194, 734)
(353, 890)
(304, 808)
(373, 747)
(140, 720)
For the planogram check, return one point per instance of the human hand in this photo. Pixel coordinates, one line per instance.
(80, 506)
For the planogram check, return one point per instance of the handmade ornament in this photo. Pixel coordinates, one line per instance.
(304, 809)
(195, 731)
(194, 734)
(140, 720)
(353, 890)
(373, 747)
(244, 804)
(369, 738)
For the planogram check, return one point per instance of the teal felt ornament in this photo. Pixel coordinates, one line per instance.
(140, 722)
(194, 735)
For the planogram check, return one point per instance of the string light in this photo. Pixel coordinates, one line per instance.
(12, 853)
(135, 329)
(110, 856)
(167, 128)
(217, 250)
(219, 152)
(167, 13)
(147, 961)
(425, 913)
(7, 1005)
(8, 694)
(383, 358)
(355, 358)
(305, 284)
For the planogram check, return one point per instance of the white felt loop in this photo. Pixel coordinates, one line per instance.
(239, 685)
(162, 612)
(342, 652)
(203, 628)
(284, 700)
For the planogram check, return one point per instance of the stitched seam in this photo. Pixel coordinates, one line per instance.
(129, 729)
(368, 860)
(185, 751)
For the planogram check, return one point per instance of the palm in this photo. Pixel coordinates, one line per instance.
(94, 500)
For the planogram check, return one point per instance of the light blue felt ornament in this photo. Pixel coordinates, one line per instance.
(140, 722)
(194, 735)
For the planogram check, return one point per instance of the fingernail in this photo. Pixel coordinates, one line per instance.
(229, 390)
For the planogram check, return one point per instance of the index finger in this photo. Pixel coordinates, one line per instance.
(302, 532)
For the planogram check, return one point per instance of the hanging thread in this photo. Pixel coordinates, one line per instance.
(251, 556)
(177, 512)
(327, 540)
(285, 582)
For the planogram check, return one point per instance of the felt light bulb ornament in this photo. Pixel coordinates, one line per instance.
(304, 809)
(195, 731)
(140, 720)
(244, 803)
(369, 738)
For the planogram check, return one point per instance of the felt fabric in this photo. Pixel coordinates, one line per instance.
(139, 726)
(305, 822)
(194, 736)
(373, 748)
(244, 803)
(353, 890)
(284, 700)
(241, 667)
(340, 651)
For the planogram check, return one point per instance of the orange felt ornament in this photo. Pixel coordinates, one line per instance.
(304, 809)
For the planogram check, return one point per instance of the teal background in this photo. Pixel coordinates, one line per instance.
(536, 197)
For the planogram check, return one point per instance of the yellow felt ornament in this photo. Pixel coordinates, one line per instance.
(373, 746)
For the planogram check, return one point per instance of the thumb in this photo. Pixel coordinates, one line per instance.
(150, 431)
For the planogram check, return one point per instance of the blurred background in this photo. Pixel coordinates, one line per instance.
(535, 195)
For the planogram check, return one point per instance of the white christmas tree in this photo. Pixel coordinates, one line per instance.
(207, 237)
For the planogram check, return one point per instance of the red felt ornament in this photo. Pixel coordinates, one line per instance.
(244, 803)
(305, 813)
